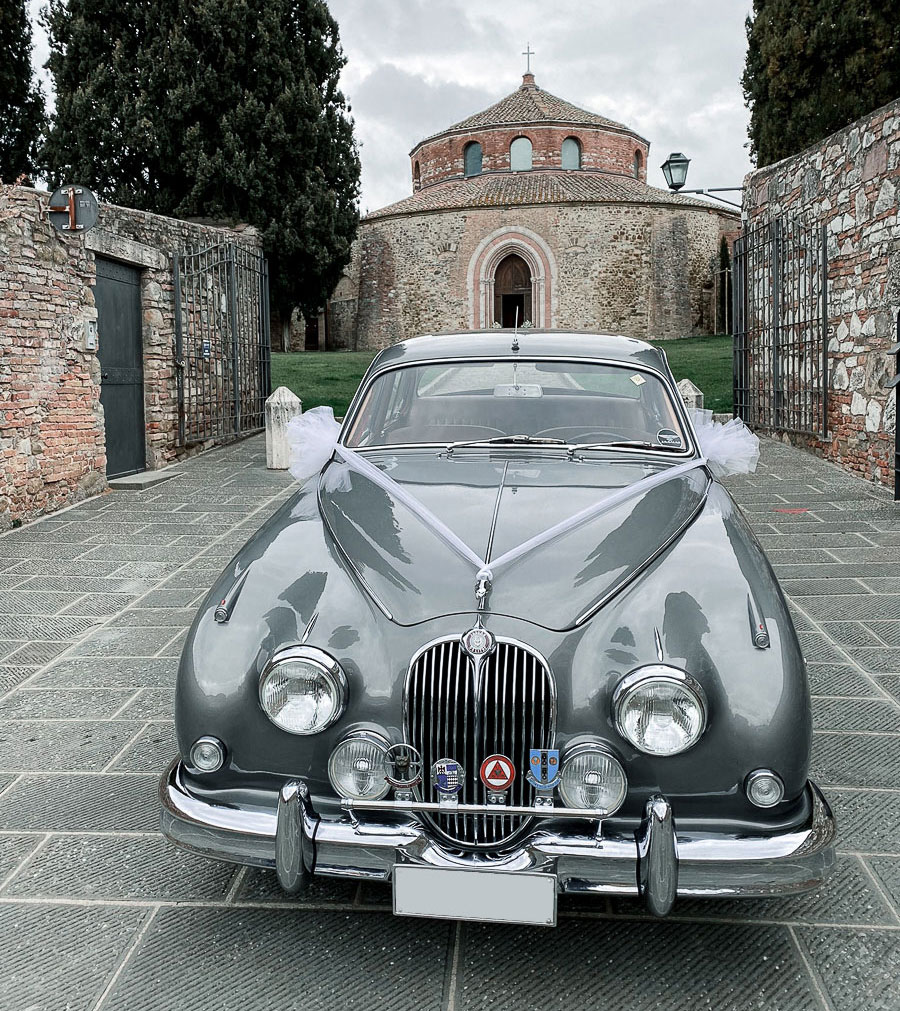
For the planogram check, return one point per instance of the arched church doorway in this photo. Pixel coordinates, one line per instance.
(512, 292)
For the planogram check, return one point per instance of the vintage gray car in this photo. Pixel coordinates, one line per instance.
(513, 639)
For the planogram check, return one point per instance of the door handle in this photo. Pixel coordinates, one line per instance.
(104, 375)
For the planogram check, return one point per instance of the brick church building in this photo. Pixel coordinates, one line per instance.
(536, 209)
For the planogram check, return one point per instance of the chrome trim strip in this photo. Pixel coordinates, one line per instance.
(493, 530)
(586, 814)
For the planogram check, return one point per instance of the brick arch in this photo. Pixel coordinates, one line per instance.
(491, 252)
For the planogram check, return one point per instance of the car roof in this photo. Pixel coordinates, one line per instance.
(544, 343)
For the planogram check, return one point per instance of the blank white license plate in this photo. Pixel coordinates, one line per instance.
(494, 896)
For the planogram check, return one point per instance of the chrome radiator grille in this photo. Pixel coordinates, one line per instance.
(513, 712)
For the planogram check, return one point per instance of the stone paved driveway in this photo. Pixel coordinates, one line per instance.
(97, 911)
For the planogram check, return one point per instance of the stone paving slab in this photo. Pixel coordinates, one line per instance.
(63, 957)
(233, 959)
(634, 964)
(857, 969)
(118, 867)
(85, 730)
(82, 803)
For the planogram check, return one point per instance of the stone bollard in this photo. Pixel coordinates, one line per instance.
(281, 406)
(691, 395)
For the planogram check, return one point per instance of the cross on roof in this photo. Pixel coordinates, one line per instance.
(528, 53)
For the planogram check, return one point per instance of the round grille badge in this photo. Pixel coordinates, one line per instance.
(497, 772)
(447, 776)
(404, 766)
(478, 641)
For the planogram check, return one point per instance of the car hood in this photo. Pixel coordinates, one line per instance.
(494, 501)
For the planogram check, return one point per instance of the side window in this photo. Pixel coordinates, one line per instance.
(520, 154)
(472, 159)
(638, 164)
(571, 153)
(417, 177)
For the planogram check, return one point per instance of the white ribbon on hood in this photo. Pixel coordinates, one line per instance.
(313, 438)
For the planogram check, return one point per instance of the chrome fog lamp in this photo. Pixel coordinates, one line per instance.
(764, 788)
(357, 767)
(303, 690)
(207, 755)
(661, 710)
(592, 778)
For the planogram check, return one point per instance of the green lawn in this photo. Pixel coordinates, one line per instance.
(706, 361)
(321, 377)
(331, 377)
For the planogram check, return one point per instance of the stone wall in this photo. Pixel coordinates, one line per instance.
(641, 270)
(52, 440)
(850, 183)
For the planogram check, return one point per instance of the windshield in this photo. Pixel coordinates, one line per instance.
(578, 403)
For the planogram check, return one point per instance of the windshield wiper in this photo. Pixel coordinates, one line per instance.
(630, 444)
(508, 440)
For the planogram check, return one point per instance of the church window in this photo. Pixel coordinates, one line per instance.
(417, 177)
(638, 164)
(472, 159)
(571, 153)
(520, 154)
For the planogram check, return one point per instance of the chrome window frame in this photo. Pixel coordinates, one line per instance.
(693, 450)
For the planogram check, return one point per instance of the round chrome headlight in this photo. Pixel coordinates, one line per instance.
(358, 768)
(592, 778)
(303, 690)
(661, 710)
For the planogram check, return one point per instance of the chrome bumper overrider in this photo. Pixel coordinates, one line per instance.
(656, 862)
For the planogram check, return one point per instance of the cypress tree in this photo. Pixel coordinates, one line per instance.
(21, 101)
(221, 109)
(813, 66)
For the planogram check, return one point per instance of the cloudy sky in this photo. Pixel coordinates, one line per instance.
(671, 71)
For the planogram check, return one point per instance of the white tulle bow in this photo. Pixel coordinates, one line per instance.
(729, 448)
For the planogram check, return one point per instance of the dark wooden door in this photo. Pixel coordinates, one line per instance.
(512, 292)
(117, 295)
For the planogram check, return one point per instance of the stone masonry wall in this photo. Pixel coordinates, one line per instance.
(643, 271)
(850, 183)
(52, 441)
(52, 447)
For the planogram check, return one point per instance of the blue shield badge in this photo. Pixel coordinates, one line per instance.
(543, 768)
(447, 776)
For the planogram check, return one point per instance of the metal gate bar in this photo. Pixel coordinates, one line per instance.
(780, 314)
(222, 347)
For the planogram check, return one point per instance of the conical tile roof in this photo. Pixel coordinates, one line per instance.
(529, 104)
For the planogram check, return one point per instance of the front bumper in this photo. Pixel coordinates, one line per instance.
(656, 862)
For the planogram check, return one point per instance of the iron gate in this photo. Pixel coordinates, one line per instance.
(780, 291)
(222, 351)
